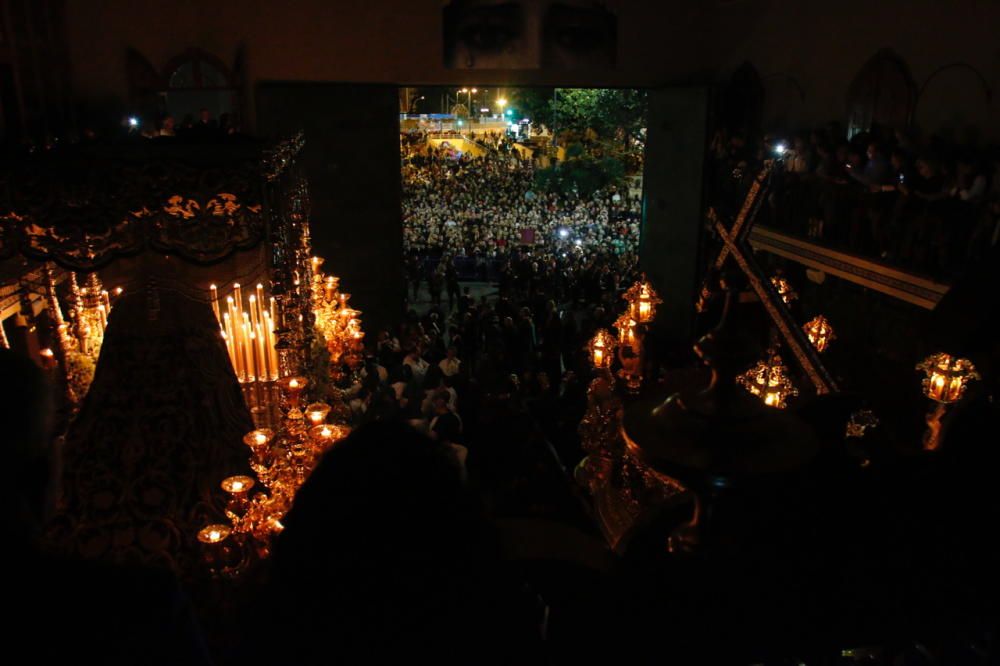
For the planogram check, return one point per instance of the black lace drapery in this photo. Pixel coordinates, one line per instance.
(161, 426)
(85, 207)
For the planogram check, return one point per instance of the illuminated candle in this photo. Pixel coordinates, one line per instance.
(213, 534)
(227, 335)
(215, 301)
(48, 358)
(321, 433)
(261, 303)
(601, 347)
(237, 486)
(328, 434)
(255, 355)
(643, 310)
(262, 352)
(294, 387)
(269, 329)
(245, 352)
(262, 371)
(225, 339)
(213, 539)
(254, 316)
(231, 311)
(258, 439)
(238, 294)
(317, 412)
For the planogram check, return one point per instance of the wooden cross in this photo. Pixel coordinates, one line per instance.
(734, 244)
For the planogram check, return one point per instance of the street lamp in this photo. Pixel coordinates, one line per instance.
(470, 92)
(413, 102)
(501, 102)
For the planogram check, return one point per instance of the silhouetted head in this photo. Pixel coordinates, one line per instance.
(381, 539)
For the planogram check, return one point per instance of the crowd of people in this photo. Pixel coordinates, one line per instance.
(524, 346)
(929, 206)
(559, 264)
(479, 208)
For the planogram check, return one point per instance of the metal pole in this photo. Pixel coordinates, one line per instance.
(554, 114)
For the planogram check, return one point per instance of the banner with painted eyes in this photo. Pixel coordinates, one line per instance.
(524, 34)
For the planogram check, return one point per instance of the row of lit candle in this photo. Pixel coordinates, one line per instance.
(249, 334)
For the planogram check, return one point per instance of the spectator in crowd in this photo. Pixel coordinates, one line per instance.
(924, 205)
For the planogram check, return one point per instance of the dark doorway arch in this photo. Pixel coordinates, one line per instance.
(883, 93)
(196, 80)
(954, 98)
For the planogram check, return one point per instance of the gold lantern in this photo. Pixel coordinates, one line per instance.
(601, 349)
(625, 325)
(947, 377)
(769, 381)
(820, 333)
(784, 289)
(642, 300)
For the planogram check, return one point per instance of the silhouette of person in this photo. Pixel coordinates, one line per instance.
(385, 550)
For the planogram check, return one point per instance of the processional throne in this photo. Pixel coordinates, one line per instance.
(161, 420)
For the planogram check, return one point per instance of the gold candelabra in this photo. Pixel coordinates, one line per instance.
(336, 321)
(281, 460)
(79, 335)
(283, 449)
